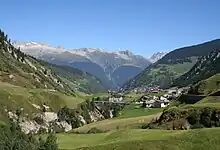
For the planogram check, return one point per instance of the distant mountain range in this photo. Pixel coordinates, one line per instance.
(112, 68)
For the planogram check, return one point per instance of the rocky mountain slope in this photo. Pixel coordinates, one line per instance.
(103, 65)
(205, 67)
(171, 66)
(157, 56)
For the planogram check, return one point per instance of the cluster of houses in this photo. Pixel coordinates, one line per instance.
(116, 97)
(147, 89)
(151, 101)
(160, 101)
(154, 102)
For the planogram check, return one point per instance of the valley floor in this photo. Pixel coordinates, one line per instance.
(143, 139)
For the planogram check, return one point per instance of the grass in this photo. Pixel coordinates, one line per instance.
(209, 85)
(111, 124)
(132, 96)
(132, 116)
(210, 99)
(95, 95)
(140, 139)
(200, 105)
(65, 141)
(14, 97)
(137, 111)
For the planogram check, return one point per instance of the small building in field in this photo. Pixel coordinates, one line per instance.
(150, 103)
(161, 103)
(115, 99)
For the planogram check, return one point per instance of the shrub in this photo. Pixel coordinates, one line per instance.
(95, 130)
(145, 126)
(206, 117)
(194, 118)
(197, 126)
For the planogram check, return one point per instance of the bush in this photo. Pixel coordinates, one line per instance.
(194, 118)
(95, 130)
(197, 126)
(145, 126)
(206, 117)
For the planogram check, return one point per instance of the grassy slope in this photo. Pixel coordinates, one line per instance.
(140, 139)
(78, 79)
(161, 74)
(111, 124)
(210, 99)
(208, 86)
(207, 104)
(132, 96)
(14, 97)
(205, 68)
(136, 111)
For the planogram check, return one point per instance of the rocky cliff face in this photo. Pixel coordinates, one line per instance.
(65, 119)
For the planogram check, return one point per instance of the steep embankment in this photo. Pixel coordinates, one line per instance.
(171, 66)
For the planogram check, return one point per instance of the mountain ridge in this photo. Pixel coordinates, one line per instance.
(174, 64)
(95, 61)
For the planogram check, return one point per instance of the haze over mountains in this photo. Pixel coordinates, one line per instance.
(112, 68)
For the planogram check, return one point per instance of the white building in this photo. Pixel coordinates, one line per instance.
(115, 99)
(161, 104)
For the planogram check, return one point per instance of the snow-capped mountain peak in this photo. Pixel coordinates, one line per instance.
(156, 56)
(37, 49)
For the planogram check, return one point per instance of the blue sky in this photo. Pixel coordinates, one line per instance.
(142, 26)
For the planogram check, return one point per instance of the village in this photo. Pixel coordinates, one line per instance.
(153, 97)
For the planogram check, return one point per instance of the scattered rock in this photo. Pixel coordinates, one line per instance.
(46, 107)
(82, 120)
(67, 127)
(11, 76)
(36, 106)
(50, 116)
